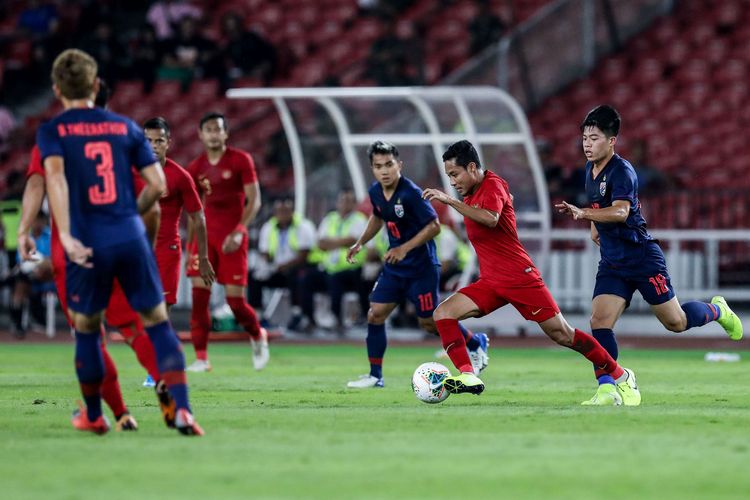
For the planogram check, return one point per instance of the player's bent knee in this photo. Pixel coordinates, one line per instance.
(428, 325)
(443, 312)
(87, 323)
(154, 316)
(601, 321)
(675, 325)
(376, 316)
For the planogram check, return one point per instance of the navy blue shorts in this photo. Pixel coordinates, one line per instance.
(132, 263)
(421, 291)
(649, 276)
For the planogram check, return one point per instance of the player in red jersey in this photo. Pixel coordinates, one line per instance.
(231, 198)
(180, 193)
(119, 313)
(507, 275)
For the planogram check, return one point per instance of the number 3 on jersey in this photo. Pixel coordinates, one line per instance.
(105, 193)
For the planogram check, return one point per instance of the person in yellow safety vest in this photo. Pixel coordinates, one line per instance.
(285, 243)
(338, 231)
(453, 254)
(10, 217)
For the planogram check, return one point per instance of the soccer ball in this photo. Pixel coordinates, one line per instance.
(427, 382)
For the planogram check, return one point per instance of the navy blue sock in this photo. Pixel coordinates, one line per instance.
(471, 341)
(606, 337)
(90, 371)
(171, 361)
(376, 344)
(700, 313)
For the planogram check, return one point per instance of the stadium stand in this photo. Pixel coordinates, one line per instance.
(328, 43)
(682, 87)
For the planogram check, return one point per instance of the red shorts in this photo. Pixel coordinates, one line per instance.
(230, 268)
(119, 313)
(168, 260)
(534, 302)
(58, 272)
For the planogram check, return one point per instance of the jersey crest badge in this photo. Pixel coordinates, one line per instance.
(226, 174)
(398, 208)
(603, 186)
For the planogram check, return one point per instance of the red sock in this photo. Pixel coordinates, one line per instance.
(110, 388)
(245, 315)
(594, 352)
(454, 344)
(200, 322)
(144, 351)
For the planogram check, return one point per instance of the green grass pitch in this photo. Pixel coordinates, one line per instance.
(295, 431)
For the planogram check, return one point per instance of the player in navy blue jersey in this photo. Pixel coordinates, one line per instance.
(411, 269)
(87, 154)
(631, 258)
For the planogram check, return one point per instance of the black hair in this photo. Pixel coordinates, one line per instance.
(157, 123)
(214, 115)
(283, 198)
(103, 95)
(381, 148)
(605, 118)
(463, 152)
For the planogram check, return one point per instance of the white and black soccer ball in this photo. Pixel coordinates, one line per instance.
(427, 382)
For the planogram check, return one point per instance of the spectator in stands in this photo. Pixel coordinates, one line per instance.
(10, 217)
(277, 152)
(285, 243)
(147, 54)
(189, 55)
(454, 254)
(165, 16)
(39, 19)
(553, 171)
(651, 180)
(33, 278)
(338, 231)
(109, 53)
(245, 52)
(383, 8)
(486, 27)
(395, 58)
(10, 213)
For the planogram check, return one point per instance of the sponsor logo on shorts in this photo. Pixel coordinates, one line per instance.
(534, 313)
(236, 276)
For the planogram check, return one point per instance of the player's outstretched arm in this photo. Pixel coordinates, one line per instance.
(252, 205)
(618, 212)
(479, 215)
(57, 191)
(33, 195)
(197, 221)
(152, 220)
(428, 232)
(156, 186)
(373, 226)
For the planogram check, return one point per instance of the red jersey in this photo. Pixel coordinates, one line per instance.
(223, 187)
(502, 258)
(180, 193)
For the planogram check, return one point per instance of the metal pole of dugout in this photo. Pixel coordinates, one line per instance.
(510, 128)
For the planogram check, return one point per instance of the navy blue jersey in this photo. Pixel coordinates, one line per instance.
(406, 214)
(98, 148)
(620, 242)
